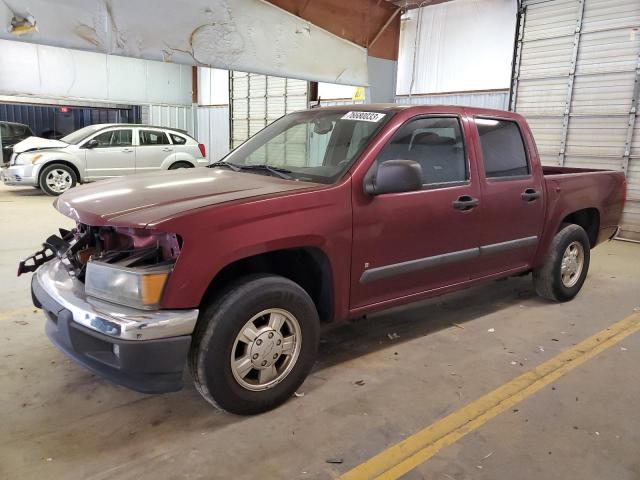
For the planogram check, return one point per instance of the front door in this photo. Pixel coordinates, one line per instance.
(112, 156)
(512, 197)
(408, 243)
(152, 150)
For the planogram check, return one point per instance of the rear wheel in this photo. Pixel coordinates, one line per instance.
(57, 178)
(178, 165)
(255, 344)
(565, 269)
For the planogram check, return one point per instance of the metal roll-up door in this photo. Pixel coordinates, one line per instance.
(256, 101)
(576, 80)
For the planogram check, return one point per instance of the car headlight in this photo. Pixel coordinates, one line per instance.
(140, 287)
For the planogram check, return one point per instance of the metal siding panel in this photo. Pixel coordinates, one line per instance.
(541, 96)
(608, 14)
(550, 19)
(608, 51)
(548, 57)
(496, 100)
(597, 136)
(602, 94)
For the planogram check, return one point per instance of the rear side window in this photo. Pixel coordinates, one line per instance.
(436, 144)
(503, 151)
(177, 139)
(153, 137)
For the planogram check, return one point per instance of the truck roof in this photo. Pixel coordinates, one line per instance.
(419, 108)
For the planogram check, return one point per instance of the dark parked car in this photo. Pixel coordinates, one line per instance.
(10, 134)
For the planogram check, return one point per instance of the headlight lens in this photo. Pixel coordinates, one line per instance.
(133, 287)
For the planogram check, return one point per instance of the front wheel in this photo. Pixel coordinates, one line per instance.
(255, 344)
(566, 266)
(56, 179)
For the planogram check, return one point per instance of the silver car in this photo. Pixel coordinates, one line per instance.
(100, 151)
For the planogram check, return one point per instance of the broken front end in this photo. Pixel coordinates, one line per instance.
(100, 289)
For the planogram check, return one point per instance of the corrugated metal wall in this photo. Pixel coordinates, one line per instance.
(494, 99)
(176, 116)
(576, 80)
(257, 100)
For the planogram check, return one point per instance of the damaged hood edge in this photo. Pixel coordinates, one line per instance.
(38, 143)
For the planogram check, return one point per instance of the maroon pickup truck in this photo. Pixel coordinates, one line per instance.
(325, 215)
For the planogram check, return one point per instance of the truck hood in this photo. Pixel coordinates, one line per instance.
(37, 143)
(139, 200)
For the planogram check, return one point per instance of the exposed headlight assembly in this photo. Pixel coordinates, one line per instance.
(138, 287)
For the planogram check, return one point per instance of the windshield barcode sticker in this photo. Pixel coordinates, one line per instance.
(364, 116)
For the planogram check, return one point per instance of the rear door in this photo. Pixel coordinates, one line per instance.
(153, 149)
(114, 155)
(512, 195)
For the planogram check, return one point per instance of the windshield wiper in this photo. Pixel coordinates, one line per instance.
(277, 171)
(230, 165)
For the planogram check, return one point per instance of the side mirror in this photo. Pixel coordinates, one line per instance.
(393, 176)
(93, 143)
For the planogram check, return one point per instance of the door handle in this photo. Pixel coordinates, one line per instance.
(166, 149)
(465, 202)
(127, 150)
(530, 195)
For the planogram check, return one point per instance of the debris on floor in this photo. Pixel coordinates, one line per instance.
(334, 460)
(359, 382)
(299, 394)
(393, 336)
(491, 330)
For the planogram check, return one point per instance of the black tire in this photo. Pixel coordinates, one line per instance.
(42, 180)
(548, 278)
(178, 165)
(220, 324)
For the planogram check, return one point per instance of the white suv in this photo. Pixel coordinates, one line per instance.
(100, 151)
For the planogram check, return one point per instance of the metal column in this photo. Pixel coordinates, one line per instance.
(572, 75)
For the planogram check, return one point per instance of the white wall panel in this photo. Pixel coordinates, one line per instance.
(461, 45)
(213, 131)
(498, 100)
(43, 71)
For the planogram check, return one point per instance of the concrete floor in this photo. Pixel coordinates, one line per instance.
(59, 421)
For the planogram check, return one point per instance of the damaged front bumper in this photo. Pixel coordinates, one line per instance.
(18, 176)
(142, 350)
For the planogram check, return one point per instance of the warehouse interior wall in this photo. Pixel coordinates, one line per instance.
(52, 72)
(458, 46)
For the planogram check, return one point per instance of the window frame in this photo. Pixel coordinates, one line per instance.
(108, 130)
(465, 150)
(154, 130)
(171, 134)
(503, 178)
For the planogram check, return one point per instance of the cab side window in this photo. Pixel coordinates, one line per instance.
(153, 137)
(436, 143)
(114, 138)
(503, 152)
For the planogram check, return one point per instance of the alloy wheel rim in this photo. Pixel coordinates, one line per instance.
(572, 264)
(58, 180)
(266, 349)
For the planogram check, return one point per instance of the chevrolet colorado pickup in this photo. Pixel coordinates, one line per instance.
(325, 215)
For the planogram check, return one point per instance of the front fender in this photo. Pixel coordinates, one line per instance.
(59, 156)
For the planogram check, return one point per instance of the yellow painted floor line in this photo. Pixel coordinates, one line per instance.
(404, 456)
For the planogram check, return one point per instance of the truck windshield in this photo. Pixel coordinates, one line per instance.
(312, 145)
